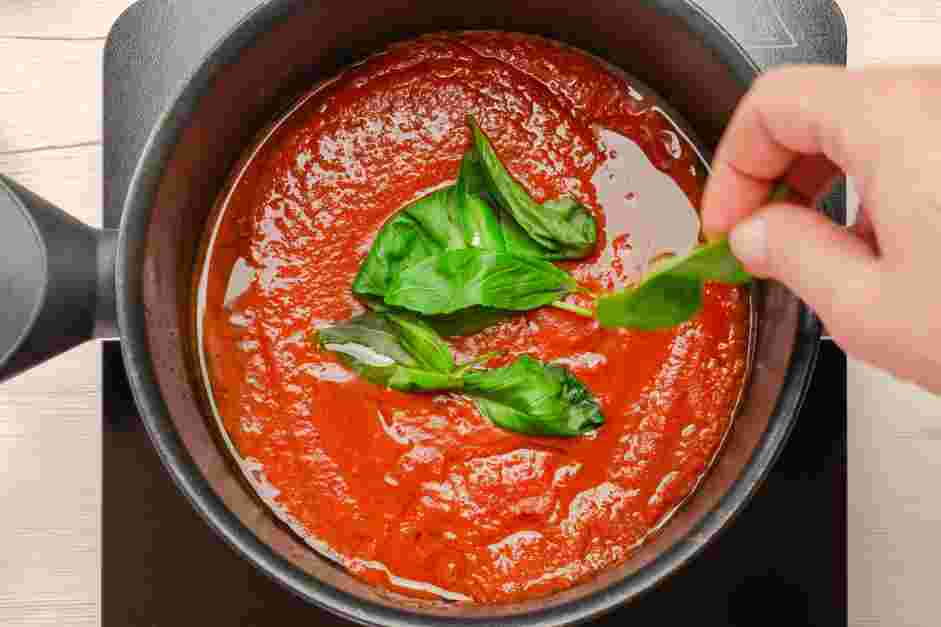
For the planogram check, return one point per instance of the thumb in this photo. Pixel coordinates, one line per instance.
(828, 267)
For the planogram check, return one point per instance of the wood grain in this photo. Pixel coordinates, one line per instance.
(50, 427)
(59, 19)
(894, 508)
(50, 94)
(50, 110)
(49, 476)
(67, 177)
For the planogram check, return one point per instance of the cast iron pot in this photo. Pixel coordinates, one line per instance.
(64, 283)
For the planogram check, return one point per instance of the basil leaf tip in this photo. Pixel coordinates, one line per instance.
(672, 292)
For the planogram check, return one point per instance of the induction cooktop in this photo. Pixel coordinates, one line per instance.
(162, 566)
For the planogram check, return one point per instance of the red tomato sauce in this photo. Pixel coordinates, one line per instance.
(419, 493)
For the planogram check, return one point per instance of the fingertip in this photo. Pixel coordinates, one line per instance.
(749, 243)
(823, 263)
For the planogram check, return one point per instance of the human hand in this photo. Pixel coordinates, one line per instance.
(877, 285)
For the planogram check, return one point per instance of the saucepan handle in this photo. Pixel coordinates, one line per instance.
(56, 281)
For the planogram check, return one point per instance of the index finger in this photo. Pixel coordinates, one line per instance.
(788, 114)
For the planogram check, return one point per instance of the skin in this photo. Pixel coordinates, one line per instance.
(876, 284)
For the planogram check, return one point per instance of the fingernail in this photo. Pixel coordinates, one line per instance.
(749, 241)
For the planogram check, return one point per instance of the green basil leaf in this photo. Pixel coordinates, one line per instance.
(373, 331)
(420, 341)
(394, 352)
(422, 229)
(709, 262)
(472, 187)
(412, 380)
(672, 292)
(371, 366)
(479, 223)
(534, 398)
(659, 303)
(436, 214)
(565, 228)
(459, 279)
(472, 179)
(450, 218)
(518, 241)
(403, 353)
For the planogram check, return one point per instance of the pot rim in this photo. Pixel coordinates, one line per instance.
(190, 481)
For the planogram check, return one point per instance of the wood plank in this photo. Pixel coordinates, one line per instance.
(893, 12)
(894, 440)
(50, 94)
(49, 611)
(894, 508)
(59, 19)
(69, 178)
(893, 32)
(50, 444)
(50, 428)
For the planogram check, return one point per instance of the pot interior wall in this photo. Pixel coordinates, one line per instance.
(312, 44)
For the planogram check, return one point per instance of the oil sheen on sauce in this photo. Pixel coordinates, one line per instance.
(418, 493)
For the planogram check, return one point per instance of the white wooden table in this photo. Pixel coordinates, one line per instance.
(50, 134)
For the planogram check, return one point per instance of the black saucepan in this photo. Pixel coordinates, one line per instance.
(63, 283)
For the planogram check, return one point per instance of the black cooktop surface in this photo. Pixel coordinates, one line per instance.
(162, 566)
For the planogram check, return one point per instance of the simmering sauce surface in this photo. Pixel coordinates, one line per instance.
(419, 493)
